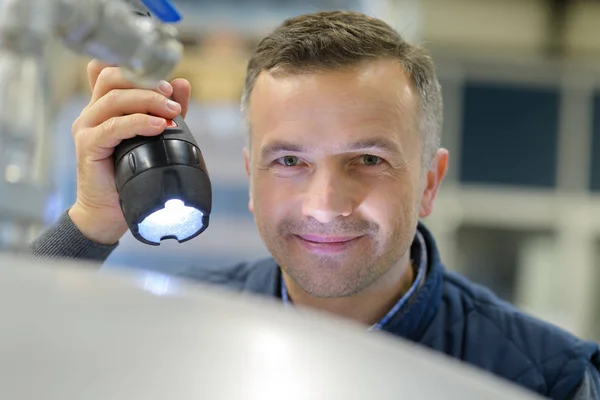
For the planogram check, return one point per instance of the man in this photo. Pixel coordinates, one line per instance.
(343, 158)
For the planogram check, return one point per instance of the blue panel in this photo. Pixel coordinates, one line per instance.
(595, 173)
(509, 135)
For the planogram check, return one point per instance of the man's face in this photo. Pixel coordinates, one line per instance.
(336, 184)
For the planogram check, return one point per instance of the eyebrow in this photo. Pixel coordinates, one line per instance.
(379, 144)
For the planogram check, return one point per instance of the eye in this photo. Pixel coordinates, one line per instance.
(368, 159)
(288, 161)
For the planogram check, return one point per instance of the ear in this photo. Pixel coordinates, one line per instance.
(433, 180)
(247, 167)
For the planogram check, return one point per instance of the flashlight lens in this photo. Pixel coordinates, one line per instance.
(175, 220)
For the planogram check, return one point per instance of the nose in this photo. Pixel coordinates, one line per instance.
(329, 196)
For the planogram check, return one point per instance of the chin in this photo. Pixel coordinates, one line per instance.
(326, 274)
(327, 278)
(327, 290)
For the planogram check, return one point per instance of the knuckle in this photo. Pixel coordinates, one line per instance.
(158, 99)
(111, 126)
(80, 123)
(91, 67)
(112, 96)
(148, 97)
(157, 96)
(138, 121)
(76, 127)
(79, 140)
(134, 119)
(107, 74)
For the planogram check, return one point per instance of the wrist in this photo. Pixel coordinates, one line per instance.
(96, 229)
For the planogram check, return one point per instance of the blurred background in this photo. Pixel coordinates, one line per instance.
(519, 210)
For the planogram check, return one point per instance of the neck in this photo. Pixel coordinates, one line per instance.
(366, 307)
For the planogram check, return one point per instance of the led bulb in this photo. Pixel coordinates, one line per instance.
(175, 220)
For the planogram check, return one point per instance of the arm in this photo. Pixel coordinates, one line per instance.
(65, 240)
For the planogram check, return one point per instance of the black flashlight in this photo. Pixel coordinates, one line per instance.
(164, 188)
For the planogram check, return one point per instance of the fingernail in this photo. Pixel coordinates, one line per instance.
(165, 87)
(171, 105)
(156, 121)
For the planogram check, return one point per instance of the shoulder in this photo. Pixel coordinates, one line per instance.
(482, 329)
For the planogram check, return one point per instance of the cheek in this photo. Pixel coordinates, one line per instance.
(391, 202)
(271, 198)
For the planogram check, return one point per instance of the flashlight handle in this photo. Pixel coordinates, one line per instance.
(176, 129)
(174, 146)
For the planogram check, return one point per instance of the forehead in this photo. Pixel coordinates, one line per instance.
(373, 98)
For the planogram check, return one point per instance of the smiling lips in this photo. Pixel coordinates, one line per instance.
(327, 244)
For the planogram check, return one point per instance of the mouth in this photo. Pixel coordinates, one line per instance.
(327, 244)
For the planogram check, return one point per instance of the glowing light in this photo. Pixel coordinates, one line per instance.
(175, 220)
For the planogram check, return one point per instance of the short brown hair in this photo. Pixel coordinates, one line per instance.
(337, 39)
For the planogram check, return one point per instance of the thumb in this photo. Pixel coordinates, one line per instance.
(182, 90)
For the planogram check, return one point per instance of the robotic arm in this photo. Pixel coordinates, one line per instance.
(110, 30)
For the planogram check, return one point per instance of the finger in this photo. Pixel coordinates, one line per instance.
(94, 68)
(111, 78)
(99, 142)
(121, 102)
(182, 90)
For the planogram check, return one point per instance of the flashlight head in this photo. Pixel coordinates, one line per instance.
(164, 188)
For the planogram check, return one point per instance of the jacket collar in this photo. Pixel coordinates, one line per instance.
(410, 322)
(418, 313)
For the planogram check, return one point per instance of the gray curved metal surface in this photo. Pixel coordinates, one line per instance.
(70, 332)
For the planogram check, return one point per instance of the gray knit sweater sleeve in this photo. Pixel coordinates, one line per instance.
(64, 240)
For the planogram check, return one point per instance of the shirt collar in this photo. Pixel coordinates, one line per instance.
(418, 255)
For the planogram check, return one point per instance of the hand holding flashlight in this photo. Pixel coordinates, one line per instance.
(117, 111)
(164, 188)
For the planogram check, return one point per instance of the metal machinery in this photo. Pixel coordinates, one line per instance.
(68, 332)
(110, 30)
